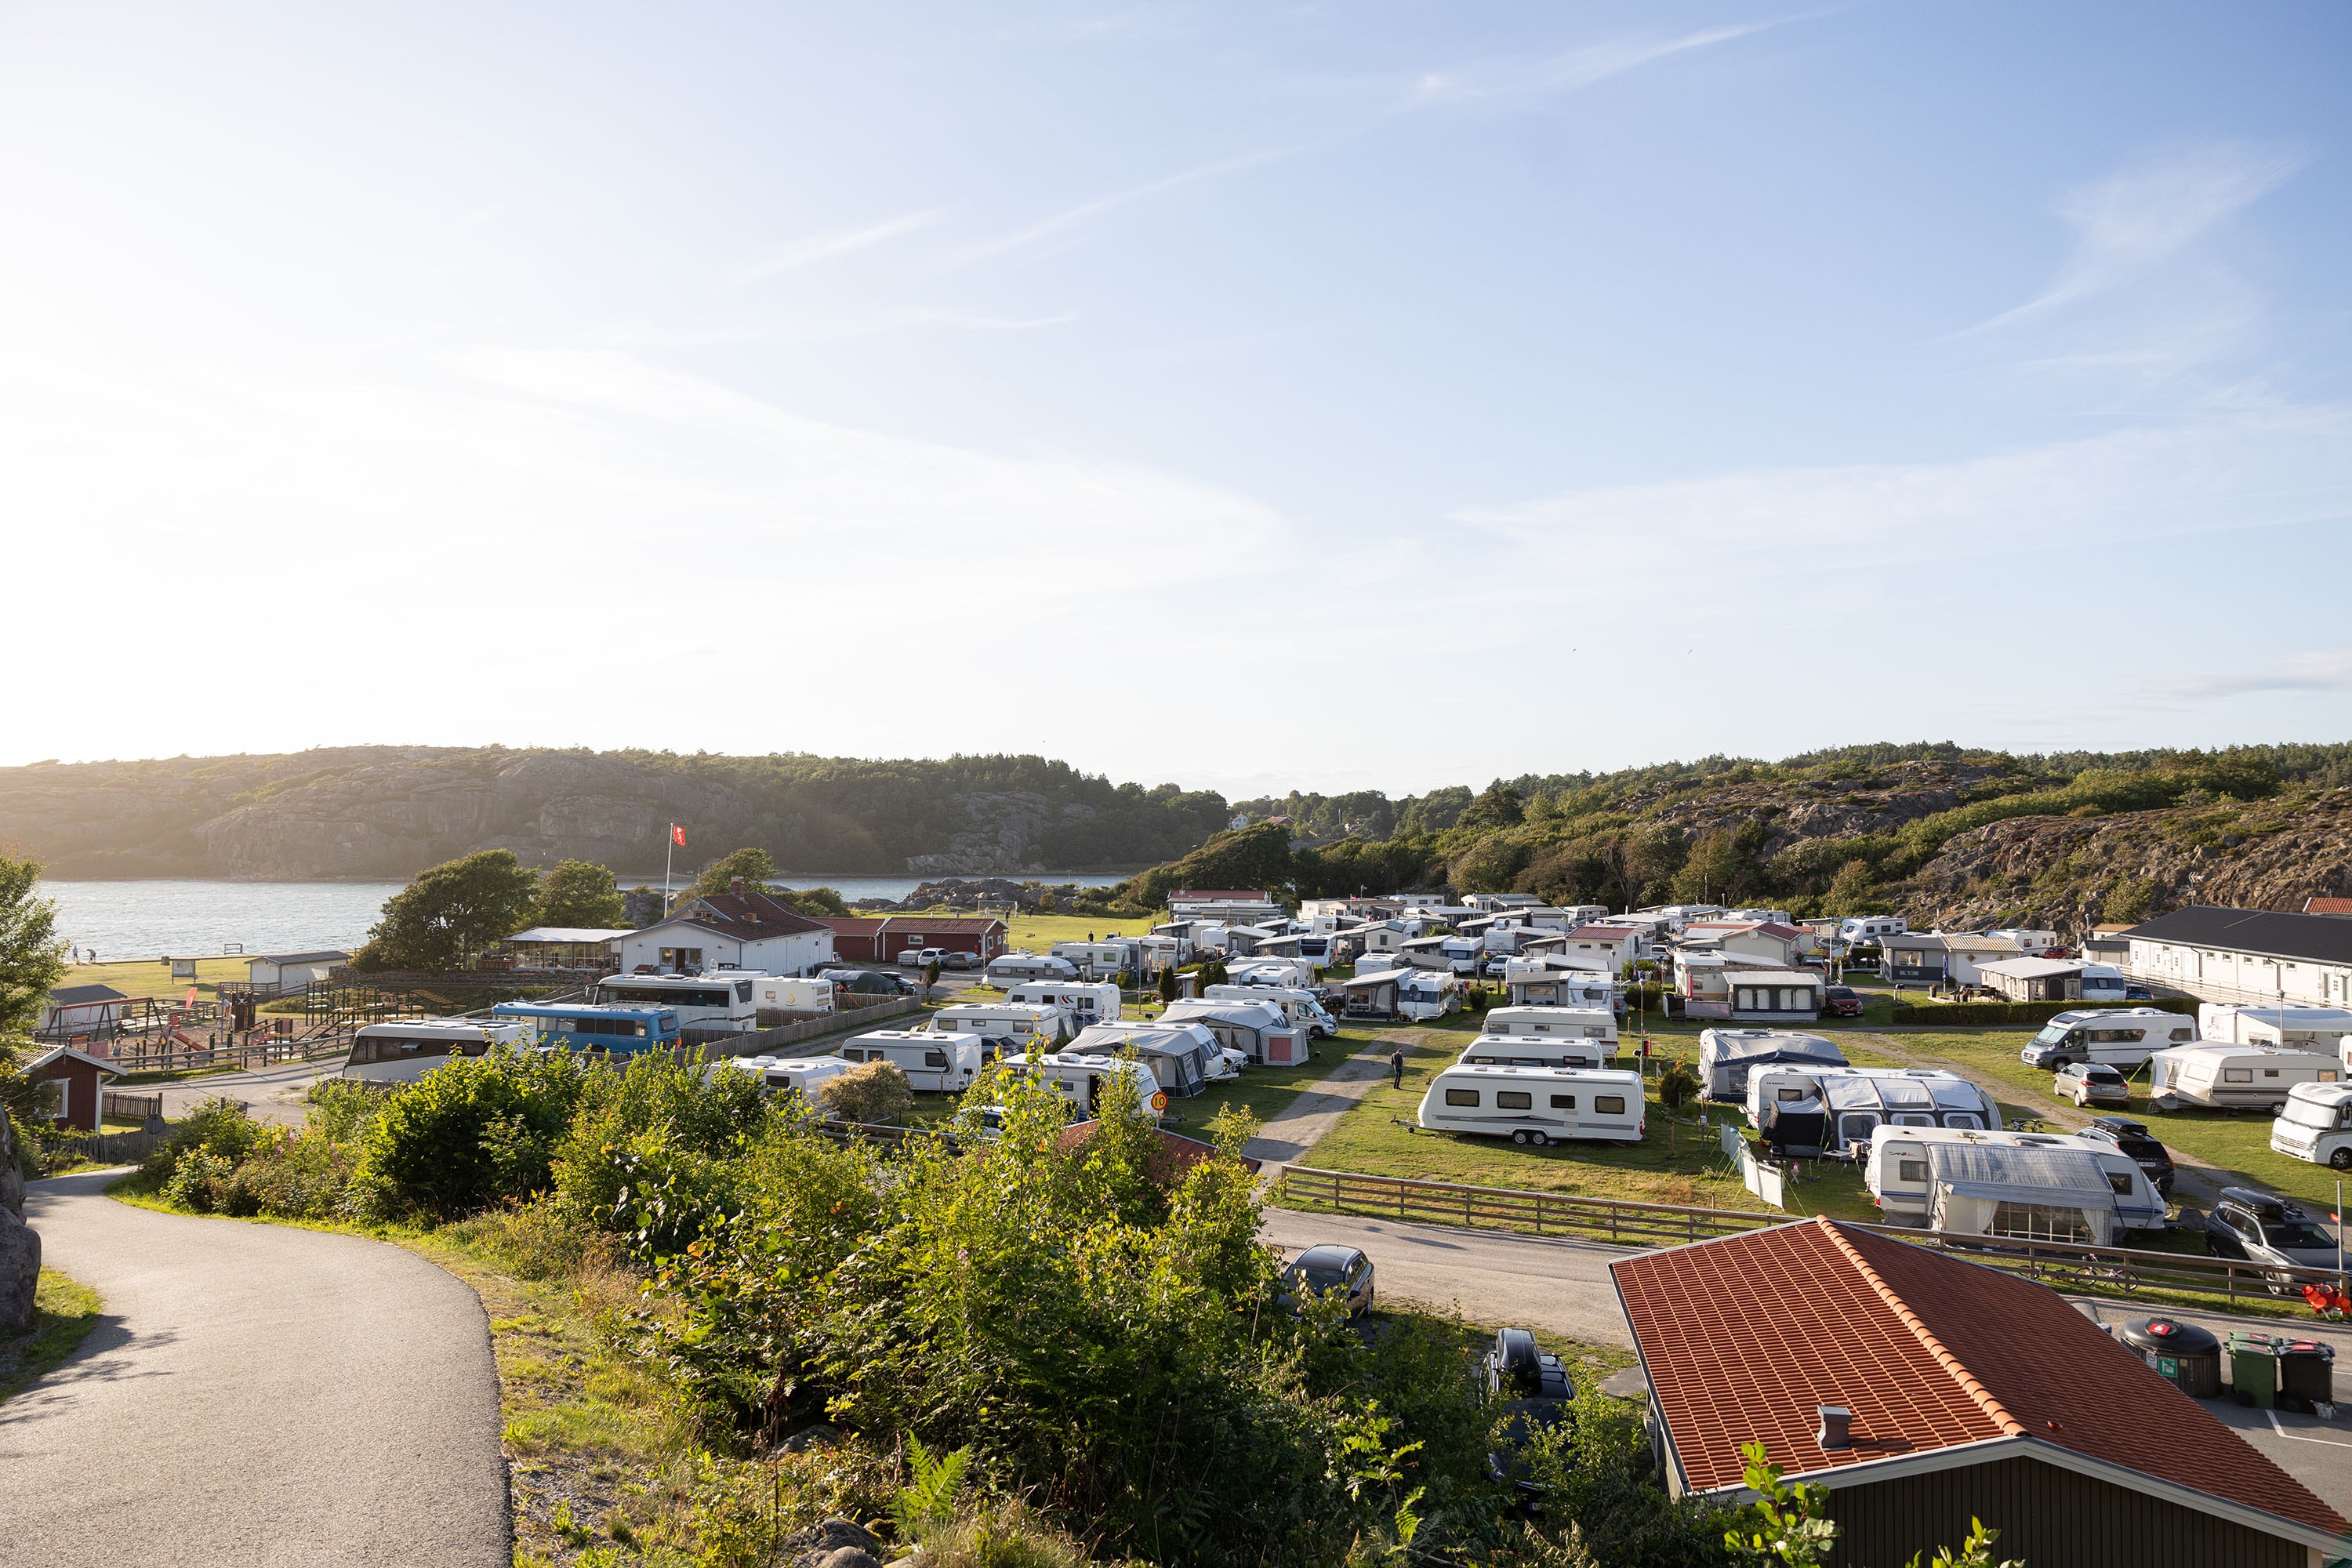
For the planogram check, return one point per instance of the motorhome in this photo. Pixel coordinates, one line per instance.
(1006, 1025)
(1302, 1007)
(1534, 1105)
(1594, 1023)
(784, 1075)
(1288, 973)
(1261, 1031)
(2025, 1186)
(1186, 1057)
(580, 1026)
(1013, 969)
(2105, 982)
(1726, 1057)
(2235, 1077)
(2316, 1124)
(1822, 1110)
(405, 1051)
(1463, 954)
(782, 998)
(1086, 1001)
(2119, 1037)
(1097, 960)
(1857, 929)
(722, 1001)
(2321, 1029)
(1089, 1080)
(935, 1061)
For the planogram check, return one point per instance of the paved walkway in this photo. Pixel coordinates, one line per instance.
(253, 1394)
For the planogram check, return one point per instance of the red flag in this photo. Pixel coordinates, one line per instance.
(678, 835)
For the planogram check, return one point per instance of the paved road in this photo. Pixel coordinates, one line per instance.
(271, 1094)
(254, 1394)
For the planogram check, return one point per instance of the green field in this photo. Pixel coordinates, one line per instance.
(153, 976)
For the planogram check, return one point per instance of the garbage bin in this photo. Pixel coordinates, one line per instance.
(2183, 1354)
(2254, 1369)
(2306, 1374)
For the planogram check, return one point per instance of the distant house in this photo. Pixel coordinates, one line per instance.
(952, 933)
(1940, 958)
(737, 930)
(1922, 1392)
(292, 971)
(2034, 979)
(1234, 906)
(82, 1012)
(81, 1084)
(856, 939)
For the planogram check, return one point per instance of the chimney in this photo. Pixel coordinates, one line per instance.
(1835, 1423)
(735, 886)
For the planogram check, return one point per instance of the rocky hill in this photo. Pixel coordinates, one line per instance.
(389, 812)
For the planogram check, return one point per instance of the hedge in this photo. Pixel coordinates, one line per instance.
(1967, 1013)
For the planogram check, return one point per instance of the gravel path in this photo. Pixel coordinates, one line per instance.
(1289, 1132)
(253, 1394)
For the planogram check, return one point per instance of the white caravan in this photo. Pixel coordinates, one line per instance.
(2041, 1186)
(1087, 1080)
(1260, 1031)
(1534, 1105)
(1806, 1110)
(720, 999)
(1097, 960)
(1726, 1057)
(1086, 1001)
(2118, 1038)
(2104, 982)
(1426, 994)
(1534, 981)
(1302, 1007)
(784, 994)
(2319, 1029)
(2316, 1124)
(1855, 929)
(1290, 973)
(2235, 1077)
(1185, 1057)
(1535, 1051)
(406, 1050)
(783, 1075)
(1005, 1025)
(1595, 1024)
(1013, 969)
(934, 1062)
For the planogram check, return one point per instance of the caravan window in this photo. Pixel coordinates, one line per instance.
(2121, 1184)
(1563, 1102)
(1965, 1118)
(935, 1058)
(2237, 1075)
(1609, 1104)
(1461, 1096)
(1513, 1100)
(1789, 1096)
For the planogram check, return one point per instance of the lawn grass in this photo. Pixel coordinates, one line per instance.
(63, 1312)
(153, 976)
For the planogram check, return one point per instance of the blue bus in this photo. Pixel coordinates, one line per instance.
(571, 1025)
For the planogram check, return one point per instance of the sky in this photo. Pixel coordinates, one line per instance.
(1378, 395)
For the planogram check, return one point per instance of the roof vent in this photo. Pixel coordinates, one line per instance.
(1836, 1423)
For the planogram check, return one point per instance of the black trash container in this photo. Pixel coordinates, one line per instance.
(2182, 1353)
(2306, 1374)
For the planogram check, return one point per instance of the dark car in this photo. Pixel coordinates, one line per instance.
(2255, 1227)
(2134, 1139)
(1530, 1390)
(1843, 1001)
(1322, 1271)
(2138, 993)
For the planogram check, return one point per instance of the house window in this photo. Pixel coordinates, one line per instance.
(1461, 1096)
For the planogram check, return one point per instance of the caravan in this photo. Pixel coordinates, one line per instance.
(1536, 1051)
(1087, 1080)
(2027, 1186)
(1815, 1111)
(935, 1061)
(1726, 1057)
(2235, 1077)
(1260, 1031)
(1186, 1057)
(1594, 1024)
(1289, 973)
(2318, 1029)
(1096, 1002)
(2118, 1038)
(1534, 1105)
(1098, 960)
(1300, 1006)
(1005, 1025)
(405, 1050)
(1011, 969)
(782, 1075)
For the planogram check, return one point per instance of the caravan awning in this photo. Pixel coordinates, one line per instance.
(2015, 1173)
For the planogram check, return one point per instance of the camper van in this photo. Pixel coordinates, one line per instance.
(1186, 1057)
(1300, 1006)
(2235, 1077)
(2316, 1124)
(1095, 1002)
(1260, 1031)
(1856, 930)
(2105, 982)
(2119, 1037)
(1815, 1111)
(935, 1061)
(1087, 1080)
(1290, 973)
(2318, 1029)
(577, 1027)
(722, 1001)
(406, 1050)
(2026, 1186)
(1005, 1025)
(1534, 1105)
(783, 1075)
(1097, 960)
(1726, 1057)
(1580, 1023)
(1011, 969)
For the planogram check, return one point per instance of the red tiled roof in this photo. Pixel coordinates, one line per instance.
(1743, 1338)
(2328, 906)
(747, 917)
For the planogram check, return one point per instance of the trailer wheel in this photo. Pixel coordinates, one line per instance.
(1520, 1137)
(1539, 1139)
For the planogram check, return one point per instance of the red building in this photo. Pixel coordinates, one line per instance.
(856, 939)
(81, 1081)
(880, 939)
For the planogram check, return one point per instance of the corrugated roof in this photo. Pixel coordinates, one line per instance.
(73, 996)
(960, 924)
(2031, 968)
(745, 917)
(2316, 939)
(1744, 1337)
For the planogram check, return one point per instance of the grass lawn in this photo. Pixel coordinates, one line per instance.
(153, 976)
(64, 1311)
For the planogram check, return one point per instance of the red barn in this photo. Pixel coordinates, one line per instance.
(984, 936)
(857, 938)
(81, 1081)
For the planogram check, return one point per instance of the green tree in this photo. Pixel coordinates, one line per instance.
(1167, 986)
(754, 865)
(813, 901)
(1787, 1526)
(1499, 806)
(1717, 872)
(580, 894)
(1852, 892)
(452, 912)
(32, 959)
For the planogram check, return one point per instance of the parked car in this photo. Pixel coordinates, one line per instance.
(913, 958)
(961, 961)
(1530, 1390)
(2138, 993)
(1321, 1270)
(2134, 1139)
(2089, 1083)
(2255, 1227)
(1842, 1001)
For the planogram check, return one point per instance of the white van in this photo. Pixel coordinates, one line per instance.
(2322, 1030)
(1011, 969)
(1085, 1077)
(2119, 1037)
(2105, 982)
(1578, 1022)
(783, 1075)
(1536, 1105)
(1808, 1109)
(935, 1062)
(1911, 1183)
(405, 1051)
(1302, 1007)
(1086, 1001)
(2316, 1124)
(2236, 1078)
(1021, 1023)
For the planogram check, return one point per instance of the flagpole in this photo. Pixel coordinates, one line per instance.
(669, 845)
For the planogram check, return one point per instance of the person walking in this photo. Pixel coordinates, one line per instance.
(1396, 1065)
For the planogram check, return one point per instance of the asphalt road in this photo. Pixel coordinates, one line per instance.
(270, 1094)
(253, 1394)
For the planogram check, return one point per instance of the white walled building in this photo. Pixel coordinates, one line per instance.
(2261, 956)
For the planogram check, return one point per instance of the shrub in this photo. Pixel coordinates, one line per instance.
(219, 1125)
(536, 1240)
(1678, 1084)
(695, 1116)
(340, 1109)
(294, 1175)
(196, 1178)
(475, 1133)
(877, 1094)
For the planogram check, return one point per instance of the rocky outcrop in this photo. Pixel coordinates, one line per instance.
(20, 1244)
(1001, 834)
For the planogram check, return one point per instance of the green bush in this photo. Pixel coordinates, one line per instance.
(536, 1240)
(293, 1175)
(656, 1108)
(196, 1180)
(877, 1094)
(219, 1125)
(340, 1109)
(475, 1133)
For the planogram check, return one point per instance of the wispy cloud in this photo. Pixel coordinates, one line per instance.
(2128, 223)
(1068, 218)
(2316, 669)
(1568, 71)
(794, 254)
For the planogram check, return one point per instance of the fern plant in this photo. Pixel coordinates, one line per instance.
(929, 1500)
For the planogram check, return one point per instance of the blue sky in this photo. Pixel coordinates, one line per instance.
(1340, 396)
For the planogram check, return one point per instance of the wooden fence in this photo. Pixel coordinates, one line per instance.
(121, 1107)
(2062, 1266)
